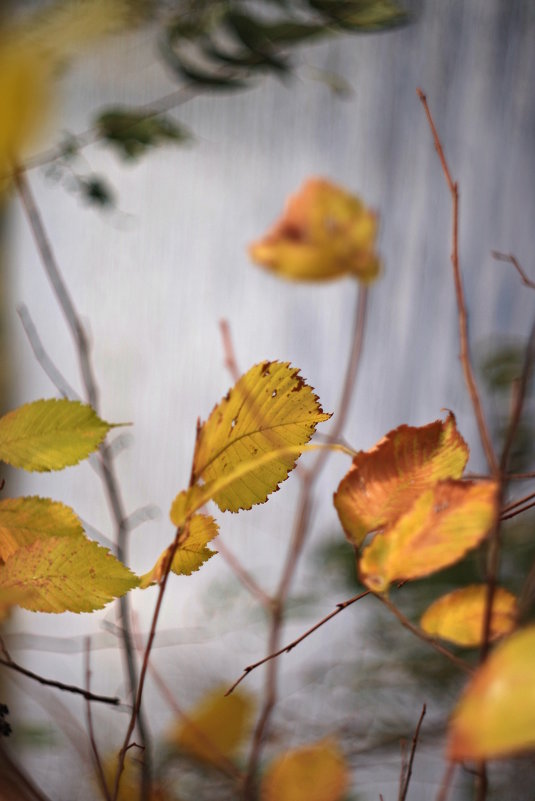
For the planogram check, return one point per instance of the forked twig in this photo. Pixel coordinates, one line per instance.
(508, 257)
(408, 773)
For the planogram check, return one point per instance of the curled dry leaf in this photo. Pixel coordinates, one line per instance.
(496, 714)
(439, 528)
(270, 409)
(316, 772)
(384, 482)
(459, 616)
(324, 233)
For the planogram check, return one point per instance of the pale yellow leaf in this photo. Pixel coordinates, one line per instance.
(24, 520)
(439, 528)
(316, 772)
(192, 551)
(459, 616)
(269, 409)
(65, 574)
(384, 481)
(495, 716)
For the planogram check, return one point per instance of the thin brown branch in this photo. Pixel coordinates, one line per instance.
(8, 662)
(89, 717)
(243, 575)
(455, 660)
(519, 399)
(446, 782)
(408, 774)
(520, 502)
(228, 348)
(520, 476)
(287, 648)
(518, 511)
(109, 479)
(482, 781)
(508, 257)
(298, 539)
(465, 357)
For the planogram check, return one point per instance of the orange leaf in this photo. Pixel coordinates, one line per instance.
(459, 616)
(314, 772)
(384, 482)
(324, 233)
(496, 714)
(440, 527)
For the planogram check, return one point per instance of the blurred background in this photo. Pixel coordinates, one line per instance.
(153, 248)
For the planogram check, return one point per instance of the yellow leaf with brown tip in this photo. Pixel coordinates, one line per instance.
(495, 716)
(439, 528)
(384, 482)
(459, 616)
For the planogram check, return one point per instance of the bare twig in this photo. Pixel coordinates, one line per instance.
(108, 476)
(461, 305)
(519, 400)
(243, 575)
(446, 782)
(59, 685)
(514, 504)
(301, 521)
(508, 257)
(408, 773)
(455, 660)
(287, 648)
(89, 718)
(518, 511)
(230, 357)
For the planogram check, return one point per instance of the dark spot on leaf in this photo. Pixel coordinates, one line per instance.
(264, 370)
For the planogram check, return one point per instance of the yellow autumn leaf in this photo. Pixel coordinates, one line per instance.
(215, 728)
(383, 482)
(269, 409)
(459, 616)
(325, 232)
(13, 597)
(316, 772)
(439, 528)
(50, 434)
(495, 716)
(32, 53)
(24, 520)
(192, 551)
(65, 574)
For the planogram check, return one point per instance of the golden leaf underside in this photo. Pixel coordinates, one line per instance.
(441, 526)
(50, 434)
(459, 616)
(496, 714)
(311, 773)
(66, 574)
(270, 408)
(191, 553)
(24, 520)
(384, 482)
(214, 728)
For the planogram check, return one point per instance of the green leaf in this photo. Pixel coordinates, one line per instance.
(24, 520)
(50, 434)
(362, 15)
(65, 574)
(269, 409)
(133, 132)
(192, 551)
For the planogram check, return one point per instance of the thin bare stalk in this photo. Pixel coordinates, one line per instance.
(508, 257)
(518, 511)
(455, 660)
(408, 774)
(59, 685)
(243, 575)
(287, 648)
(89, 718)
(299, 534)
(514, 504)
(446, 782)
(109, 480)
(465, 357)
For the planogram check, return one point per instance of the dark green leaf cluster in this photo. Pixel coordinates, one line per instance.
(226, 44)
(132, 132)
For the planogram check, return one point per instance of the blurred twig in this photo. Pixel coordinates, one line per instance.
(89, 718)
(407, 776)
(508, 257)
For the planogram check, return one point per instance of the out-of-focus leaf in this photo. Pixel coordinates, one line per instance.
(316, 772)
(132, 132)
(439, 528)
(65, 574)
(96, 191)
(383, 482)
(324, 233)
(50, 434)
(496, 714)
(459, 616)
(215, 728)
(192, 551)
(270, 407)
(196, 75)
(362, 15)
(252, 33)
(24, 520)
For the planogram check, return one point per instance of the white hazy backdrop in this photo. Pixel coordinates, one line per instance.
(153, 278)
